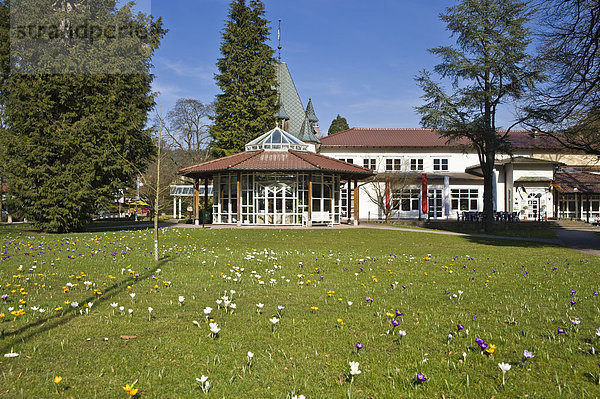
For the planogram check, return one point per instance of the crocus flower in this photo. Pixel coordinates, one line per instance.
(204, 384)
(359, 346)
(527, 354)
(354, 369)
(460, 327)
(561, 330)
(504, 367)
(421, 378)
(214, 328)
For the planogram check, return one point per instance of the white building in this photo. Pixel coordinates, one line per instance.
(532, 183)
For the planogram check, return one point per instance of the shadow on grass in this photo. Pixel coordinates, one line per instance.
(132, 226)
(501, 241)
(50, 322)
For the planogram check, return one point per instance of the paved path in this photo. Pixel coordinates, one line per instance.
(584, 240)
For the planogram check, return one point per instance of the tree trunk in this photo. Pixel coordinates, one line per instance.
(488, 192)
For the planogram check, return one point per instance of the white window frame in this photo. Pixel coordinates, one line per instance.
(416, 164)
(440, 164)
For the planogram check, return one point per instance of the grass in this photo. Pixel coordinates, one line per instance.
(515, 295)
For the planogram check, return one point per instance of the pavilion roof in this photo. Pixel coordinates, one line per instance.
(276, 161)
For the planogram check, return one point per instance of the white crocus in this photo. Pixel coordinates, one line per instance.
(354, 369)
(504, 367)
(214, 328)
(204, 384)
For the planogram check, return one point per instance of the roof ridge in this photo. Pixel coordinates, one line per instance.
(336, 133)
(251, 153)
(329, 158)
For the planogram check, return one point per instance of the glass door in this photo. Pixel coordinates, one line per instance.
(435, 203)
(276, 203)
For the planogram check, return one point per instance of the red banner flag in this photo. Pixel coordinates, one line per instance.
(424, 199)
(387, 193)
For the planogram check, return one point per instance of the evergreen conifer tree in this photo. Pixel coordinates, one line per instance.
(73, 139)
(338, 124)
(246, 77)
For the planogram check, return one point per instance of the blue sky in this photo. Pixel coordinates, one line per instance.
(355, 58)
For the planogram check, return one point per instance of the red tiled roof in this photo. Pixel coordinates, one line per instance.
(358, 137)
(275, 161)
(584, 182)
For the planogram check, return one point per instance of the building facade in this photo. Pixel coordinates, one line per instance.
(540, 180)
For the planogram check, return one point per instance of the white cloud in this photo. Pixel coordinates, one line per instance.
(203, 72)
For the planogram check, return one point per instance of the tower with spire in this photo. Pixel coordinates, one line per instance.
(291, 115)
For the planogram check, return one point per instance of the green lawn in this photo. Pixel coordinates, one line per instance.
(515, 295)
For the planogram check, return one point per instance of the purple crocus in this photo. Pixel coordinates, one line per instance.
(395, 323)
(527, 354)
(398, 313)
(483, 346)
(479, 341)
(460, 327)
(359, 346)
(421, 378)
(561, 330)
(572, 302)
(5, 296)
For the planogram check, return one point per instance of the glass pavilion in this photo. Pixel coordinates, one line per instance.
(276, 181)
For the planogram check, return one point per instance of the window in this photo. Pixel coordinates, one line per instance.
(410, 199)
(349, 160)
(393, 164)
(370, 163)
(416, 164)
(464, 199)
(440, 164)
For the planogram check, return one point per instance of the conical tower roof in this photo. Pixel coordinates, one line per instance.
(306, 133)
(281, 114)
(310, 111)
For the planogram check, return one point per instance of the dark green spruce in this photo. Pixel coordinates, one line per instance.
(245, 108)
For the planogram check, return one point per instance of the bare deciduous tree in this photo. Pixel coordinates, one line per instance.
(186, 127)
(568, 107)
(385, 190)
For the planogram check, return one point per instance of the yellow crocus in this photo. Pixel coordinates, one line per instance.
(57, 379)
